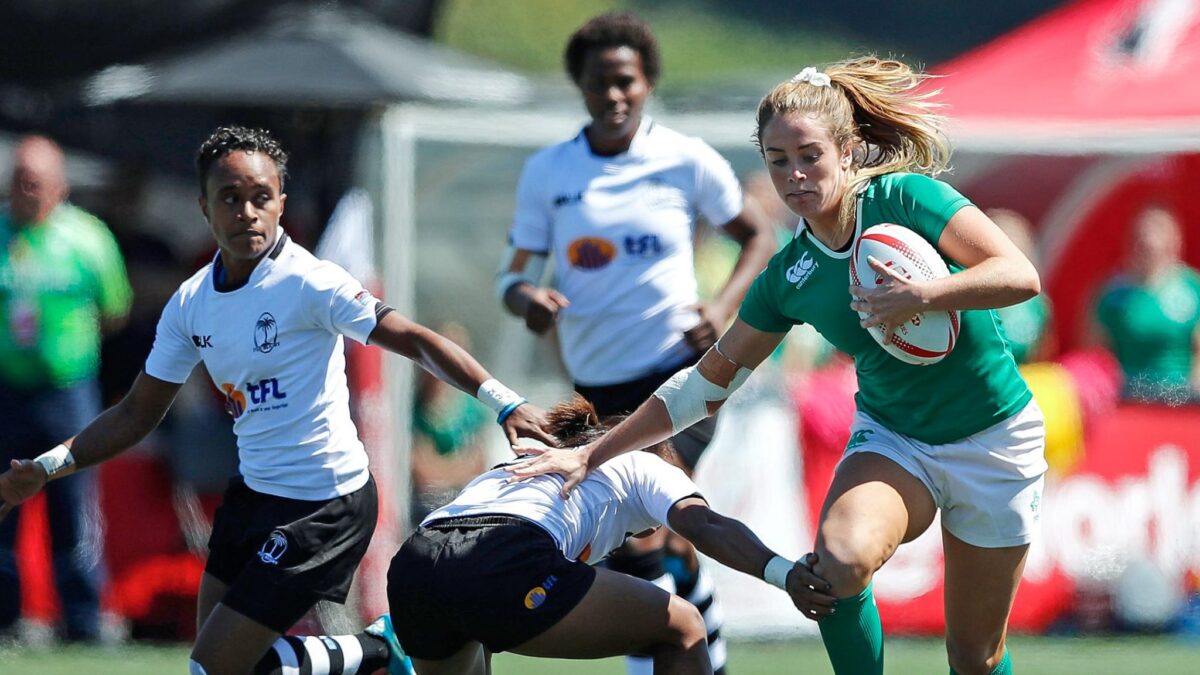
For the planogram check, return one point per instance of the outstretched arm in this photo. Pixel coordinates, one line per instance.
(115, 430)
(453, 365)
(732, 544)
(689, 396)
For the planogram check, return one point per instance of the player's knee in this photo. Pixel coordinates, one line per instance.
(686, 626)
(848, 559)
(966, 658)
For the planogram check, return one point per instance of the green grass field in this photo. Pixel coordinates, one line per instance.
(1031, 656)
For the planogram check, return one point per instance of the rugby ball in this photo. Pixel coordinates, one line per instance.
(929, 336)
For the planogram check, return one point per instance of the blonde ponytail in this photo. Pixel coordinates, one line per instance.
(876, 106)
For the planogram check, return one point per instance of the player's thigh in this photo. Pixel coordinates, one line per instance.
(618, 615)
(470, 660)
(980, 584)
(211, 591)
(872, 507)
(230, 643)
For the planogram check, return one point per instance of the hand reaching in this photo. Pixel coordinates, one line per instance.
(23, 480)
(527, 421)
(570, 463)
(809, 592)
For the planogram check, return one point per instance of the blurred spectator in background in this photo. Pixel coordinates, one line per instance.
(1027, 325)
(447, 450)
(62, 283)
(1150, 314)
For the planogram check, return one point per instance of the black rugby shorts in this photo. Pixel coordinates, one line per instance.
(279, 556)
(498, 580)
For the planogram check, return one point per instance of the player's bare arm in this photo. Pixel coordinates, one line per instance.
(997, 274)
(689, 396)
(453, 365)
(752, 232)
(734, 545)
(115, 430)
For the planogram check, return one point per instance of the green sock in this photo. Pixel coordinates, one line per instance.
(1002, 668)
(853, 635)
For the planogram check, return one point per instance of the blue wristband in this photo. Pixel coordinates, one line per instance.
(508, 410)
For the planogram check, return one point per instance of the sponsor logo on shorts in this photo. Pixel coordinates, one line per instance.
(537, 595)
(802, 270)
(266, 333)
(273, 548)
(591, 253)
(1035, 504)
(859, 437)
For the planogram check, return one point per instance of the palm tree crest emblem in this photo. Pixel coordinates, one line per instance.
(266, 333)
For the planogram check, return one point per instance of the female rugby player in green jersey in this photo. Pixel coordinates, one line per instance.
(849, 147)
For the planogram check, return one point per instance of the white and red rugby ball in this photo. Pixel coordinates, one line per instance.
(929, 336)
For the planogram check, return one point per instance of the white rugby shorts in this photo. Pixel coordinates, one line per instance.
(988, 486)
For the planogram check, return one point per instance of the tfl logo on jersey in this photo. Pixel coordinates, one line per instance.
(802, 270)
(266, 333)
(591, 253)
(263, 391)
(645, 246)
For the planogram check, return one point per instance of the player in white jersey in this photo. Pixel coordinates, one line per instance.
(267, 320)
(616, 209)
(507, 566)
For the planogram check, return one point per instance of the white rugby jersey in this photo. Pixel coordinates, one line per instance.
(274, 348)
(620, 231)
(624, 496)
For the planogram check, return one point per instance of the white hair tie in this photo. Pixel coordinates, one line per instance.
(813, 77)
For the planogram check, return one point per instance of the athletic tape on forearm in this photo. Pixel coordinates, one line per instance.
(56, 461)
(776, 571)
(688, 393)
(499, 398)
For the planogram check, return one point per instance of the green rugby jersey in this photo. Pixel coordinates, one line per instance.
(975, 386)
(58, 278)
(1151, 327)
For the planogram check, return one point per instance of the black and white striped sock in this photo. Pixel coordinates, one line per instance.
(703, 596)
(324, 655)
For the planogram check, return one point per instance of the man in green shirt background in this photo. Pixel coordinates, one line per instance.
(1150, 314)
(62, 285)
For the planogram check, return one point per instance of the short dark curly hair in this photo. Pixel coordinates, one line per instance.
(615, 29)
(227, 139)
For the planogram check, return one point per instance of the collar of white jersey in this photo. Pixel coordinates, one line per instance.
(803, 227)
(218, 267)
(636, 146)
